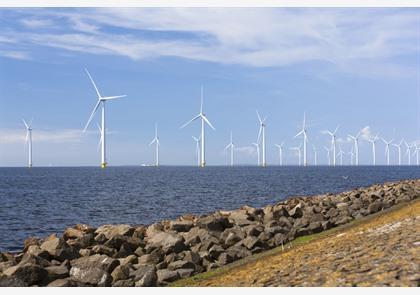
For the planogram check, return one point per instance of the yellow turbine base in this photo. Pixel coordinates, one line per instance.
(103, 165)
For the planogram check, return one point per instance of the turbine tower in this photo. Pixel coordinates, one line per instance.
(387, 144)
(408, 152)
(157, 142)
(280, 147)
(262, 131)
(258, 151)
(315, 155)
(333, 143)
(328, 155)
(356, 146)
(373, 142)
(398, 146)
(101, 102)
(28, 140)
(305, 140)
(232, 148)
(197, 148)
(204, 121)
(416, 152)
(340, 155)
(298, 149)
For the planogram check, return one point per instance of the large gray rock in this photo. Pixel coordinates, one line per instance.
(214, 223)
(59, 249)
(57, 272)
(166, 276)
(297, 211)
(6, 281)
(124, 283)
(169, 242)
(121, 272)
(181, 225)
(29, 273)
(94, 270)
(66, 282)
(375, 206)
(110, 230)
(179, 264)
(149, 279)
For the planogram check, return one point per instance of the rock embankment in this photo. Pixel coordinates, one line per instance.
(155, 255)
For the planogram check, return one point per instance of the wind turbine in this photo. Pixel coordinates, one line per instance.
(298, 149)
(197, 148)
(398, 146)
(340, 155)
(328, 155)
(258, 151)
(356, 146)
(305, 140)
(280, 147)
(232, 148)
(157, 142)
(373, 142)
(262, 131)
(333, 142)
(204, 121)
(28, 140)
(408, 152)
(387, 143)
(416, 152)
(101, 102)
(315, 155)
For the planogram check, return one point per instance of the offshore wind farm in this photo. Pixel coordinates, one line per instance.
(139, 116)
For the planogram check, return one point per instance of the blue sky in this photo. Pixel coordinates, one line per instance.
(357, 68)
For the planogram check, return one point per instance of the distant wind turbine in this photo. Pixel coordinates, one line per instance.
(298, 149)
(28, 140)
(373, 141)
(416, 152)
(305, 140)
(280, 147)
(333, 143)
(257, 146)
(398, 146)
(101, 102)
(157, 142)
(204, 121)
(262, 132)
(197, 149)
(328, 155)
(340, 155)
(356, 146)
(315, 155)
(232, 148)
(408, 152)
(387, 144)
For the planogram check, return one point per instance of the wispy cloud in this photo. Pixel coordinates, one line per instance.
(36, 23)
(12, 136)
(246, 150)
(358, 41)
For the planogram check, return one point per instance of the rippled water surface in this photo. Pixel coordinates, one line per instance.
(40, 201)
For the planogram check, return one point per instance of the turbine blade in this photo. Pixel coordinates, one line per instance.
(300, 133)
(93, 82)
(26, 125)
(153, 141)
(113, 97)
(189, 122)
(259, 118)
(259, 134)
(91, 115)
(207, 121)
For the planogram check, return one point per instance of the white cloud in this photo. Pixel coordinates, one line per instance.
(358, 41)
(366, 133)
(14, 54)
(11, 136)
(36, 23)
(246, 150)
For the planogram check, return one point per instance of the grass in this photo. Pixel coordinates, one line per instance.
(237, 265)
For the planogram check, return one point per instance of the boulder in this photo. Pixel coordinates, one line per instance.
(35, 250)
(86, 240)
(251, 242)
(166, 276)
(66, 282)
(102, 249)
(121, 272)
(124, 283)
(141, 271)
(215, 251)
(214, 223)
(140, 232)
(131, 259)
(110, 231)
(57, 272)
(94, 270)
(297, 211)
(232, 239)
(6, 281)
(252, 230)
(87, 229)
(72, 233)
(29, 273)
(59, 249)
(375, 207)
(153, 258)
(238, 252)
(179, 264)
(181, 225)
(225, 258)
(169, 242)
(33, 259)
(332, 212)
(185, 272)
(6, 264)
(192, 257)
(29, 242)
(85, 252)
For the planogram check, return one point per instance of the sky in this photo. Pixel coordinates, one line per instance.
(356, 68)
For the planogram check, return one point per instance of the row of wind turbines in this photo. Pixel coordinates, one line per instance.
(260, 144)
